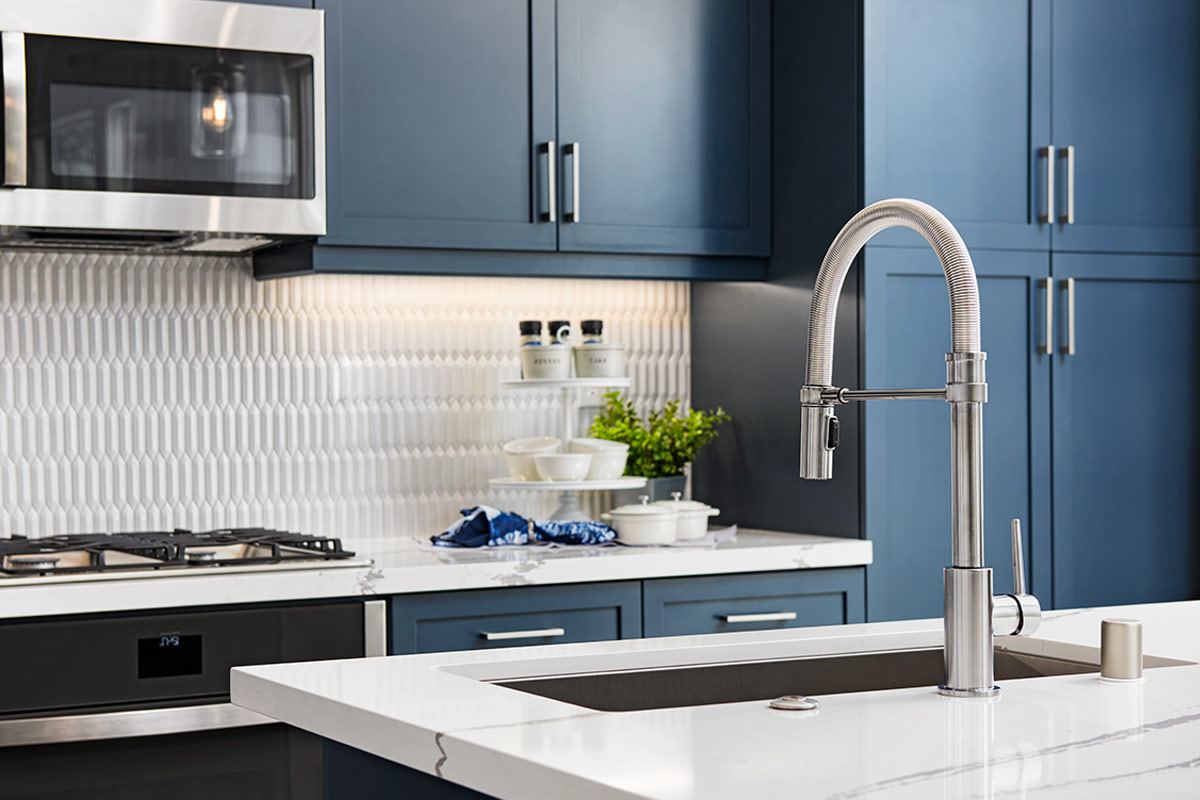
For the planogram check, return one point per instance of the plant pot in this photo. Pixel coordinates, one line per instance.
(656, 488)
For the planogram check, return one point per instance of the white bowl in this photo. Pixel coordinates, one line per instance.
(518, 456)
(583, 445)
(563, 466)
(608, 464)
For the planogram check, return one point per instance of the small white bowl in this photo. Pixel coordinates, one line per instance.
(518, 456)
(563, 466)
(584, 445)
(608, 464)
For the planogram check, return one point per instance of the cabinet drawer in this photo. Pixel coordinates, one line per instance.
(722, 603)
(486, 618)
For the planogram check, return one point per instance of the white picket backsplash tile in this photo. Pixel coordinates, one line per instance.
(143, 392)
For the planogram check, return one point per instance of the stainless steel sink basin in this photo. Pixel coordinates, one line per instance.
(674, 687)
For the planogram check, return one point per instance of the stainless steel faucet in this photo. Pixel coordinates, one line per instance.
(973, 616)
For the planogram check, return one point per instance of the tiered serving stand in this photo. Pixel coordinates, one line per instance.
(570, 506)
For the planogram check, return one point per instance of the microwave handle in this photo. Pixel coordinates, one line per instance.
(16, 120)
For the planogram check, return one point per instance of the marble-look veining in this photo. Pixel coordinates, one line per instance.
(1057, 737)
(413, 566)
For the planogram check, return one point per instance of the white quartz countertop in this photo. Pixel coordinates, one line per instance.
(412, 566)
(1068, 736)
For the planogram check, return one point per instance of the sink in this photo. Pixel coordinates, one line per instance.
(708, 684)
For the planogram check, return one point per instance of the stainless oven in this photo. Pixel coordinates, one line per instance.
(161, 117)
(136, 705)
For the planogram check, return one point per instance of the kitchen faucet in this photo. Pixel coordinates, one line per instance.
(973, 615)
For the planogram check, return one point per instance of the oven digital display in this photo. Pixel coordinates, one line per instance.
(169, 654)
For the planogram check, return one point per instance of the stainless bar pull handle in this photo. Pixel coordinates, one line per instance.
(1068, 153)
(1068, 349)
(572, 150)
(16, 120)
(551, 214)
(1048, 153)
(1047, 346)
(775, 616)
(375, 628)
(541, 633)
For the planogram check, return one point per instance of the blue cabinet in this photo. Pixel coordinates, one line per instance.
(494, 136)
(955, 110)
(437, 118)
(1126, 432)
(906, 476)
(489, 618)
(668, 105)
(722, 603)
(1126, 91)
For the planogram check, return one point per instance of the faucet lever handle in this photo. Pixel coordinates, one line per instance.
(1018, 559)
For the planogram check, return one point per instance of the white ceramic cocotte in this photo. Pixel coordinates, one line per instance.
(660, 523)
(693, 516)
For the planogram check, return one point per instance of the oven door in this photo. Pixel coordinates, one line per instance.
(187, 115)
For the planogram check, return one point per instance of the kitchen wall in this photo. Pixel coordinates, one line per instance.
(147, 392)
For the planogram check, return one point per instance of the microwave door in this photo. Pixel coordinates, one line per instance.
(122, 133)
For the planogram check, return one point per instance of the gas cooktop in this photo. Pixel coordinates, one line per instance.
(178, 550)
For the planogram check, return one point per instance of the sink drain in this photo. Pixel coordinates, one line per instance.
(794, 702)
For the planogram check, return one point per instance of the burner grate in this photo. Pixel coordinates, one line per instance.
(73, 553)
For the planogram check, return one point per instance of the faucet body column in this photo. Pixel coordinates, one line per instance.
(968, 583)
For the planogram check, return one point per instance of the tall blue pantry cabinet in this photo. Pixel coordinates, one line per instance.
(1088, 279)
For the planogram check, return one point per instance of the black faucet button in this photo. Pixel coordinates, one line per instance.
(834, 434)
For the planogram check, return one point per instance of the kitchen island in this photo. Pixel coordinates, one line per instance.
(1064, 736)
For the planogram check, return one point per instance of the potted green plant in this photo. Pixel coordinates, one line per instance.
(659, 446)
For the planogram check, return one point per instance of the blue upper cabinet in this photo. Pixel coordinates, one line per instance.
(1126, 433)
(906, 329)
(664, 112)
(956, 111)
(1126, 99)
(532, 128)
(438, 114)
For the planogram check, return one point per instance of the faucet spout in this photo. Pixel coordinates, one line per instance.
(970, 606)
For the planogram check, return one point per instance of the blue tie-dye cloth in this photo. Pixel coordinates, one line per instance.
(484, 526)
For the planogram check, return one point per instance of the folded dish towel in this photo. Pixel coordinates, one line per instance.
(484, 526)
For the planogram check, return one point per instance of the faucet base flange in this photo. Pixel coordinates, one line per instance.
(946, 691)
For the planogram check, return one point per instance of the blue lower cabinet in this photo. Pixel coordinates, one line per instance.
(481, 619)
(352, 774)
(759, 601)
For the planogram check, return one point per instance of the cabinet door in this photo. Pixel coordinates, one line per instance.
(721, 603)
(438, 113)
(1126, 432)
(1127, 97)
(955, 111)
(907, 442)
(669, 103)
(483, 619)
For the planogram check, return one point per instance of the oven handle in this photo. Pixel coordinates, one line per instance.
(123, 724)
(375, 628)
(16, 115)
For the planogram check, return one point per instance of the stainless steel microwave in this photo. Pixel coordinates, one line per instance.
(196, 123)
